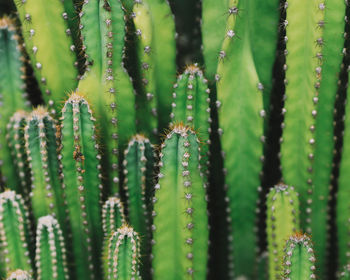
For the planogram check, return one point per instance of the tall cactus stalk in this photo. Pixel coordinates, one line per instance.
(82, 179)
(241, 122)
(41, 147)
(19, 274)
(154, 20)
(299, 258)
(138, 169)
(333, 27)
(12, 94)
(303, 51)
(191, 107)
(180, 223)
(16, 142)
(112, 219)
(282, 222)
(50, 250)
(123, 254)
(15, 235)
(106, 83)
(47, 35)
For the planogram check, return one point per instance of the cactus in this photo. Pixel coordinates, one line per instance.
(19, 275)
(303, 51)
(112, 219)
(15, 139)
(81, 170)
(345, 274)
(191, 107)
(50, 250)
(161, 52)
(123, 254)
(241, 128)
(106, 83)
(41, 148)
(47, 35)
(299, 259)
(138, 169)
(12, 93)
(282, 222)
(180, 223)
(15, 233)
(332, 51)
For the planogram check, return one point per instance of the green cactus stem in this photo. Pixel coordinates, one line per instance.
(41, 148)
(123, 254)
(12, 94)
(19, 275)
(139, 171)
(15, 140)
(15, 235)
(299, 259)
(106, 83)
(282, 222)
(342, 207)
(191, 107)
(241, 114)
(82, 179)
(158, 25)
(112, 219)
(333, 27)
(345, 274)
(47, 35)
(180, 220)
(303, 51)
(50, 258)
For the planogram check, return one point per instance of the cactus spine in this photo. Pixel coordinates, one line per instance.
(332, 51)
(180, 224)
(41, 147)
(303, 51)
(19, 275)
(138, 169)
(106, 83)
(123, 254)
(50, 250)
(12, 93)
(81, 170)
(47, 36)
(282, 222)
(191, 107)
(15, 233)
(15, 139)
(241, 122)
(162, 53)
(299, 258)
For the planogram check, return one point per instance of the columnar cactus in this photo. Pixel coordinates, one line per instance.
(333, 27)
(123, 254)
(15, 235)
(50, 258)
(19, 274)
(139, 174)
(241, 123)
(12, 93)
(41, 147)
(106, 83)
(82, 179)
(154, 19)
(282, 222)
(180, 223)
(15, 140)
(303, 51)
(47, 35)
(299, 259)
(191, 107)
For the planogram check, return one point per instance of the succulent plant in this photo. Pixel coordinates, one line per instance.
(19, 275)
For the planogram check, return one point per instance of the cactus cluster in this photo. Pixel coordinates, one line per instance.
(129, 151)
